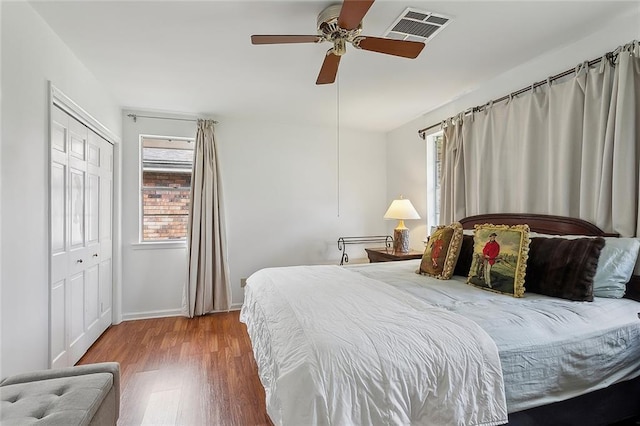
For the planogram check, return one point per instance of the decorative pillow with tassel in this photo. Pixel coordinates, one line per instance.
(441, 254)
(499, 261)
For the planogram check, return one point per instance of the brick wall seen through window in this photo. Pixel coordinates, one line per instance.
(166, 188)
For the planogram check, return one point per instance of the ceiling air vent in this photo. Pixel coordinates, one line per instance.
(417, 25)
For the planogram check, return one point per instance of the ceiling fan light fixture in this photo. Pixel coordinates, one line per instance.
(329, 28)
(339, 46)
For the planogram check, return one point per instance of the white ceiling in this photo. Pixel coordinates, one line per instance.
(196, 57)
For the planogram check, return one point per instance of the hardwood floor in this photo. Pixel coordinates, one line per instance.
(180, 371)
(192, 372)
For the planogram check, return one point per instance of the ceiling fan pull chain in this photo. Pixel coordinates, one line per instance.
(338, 140)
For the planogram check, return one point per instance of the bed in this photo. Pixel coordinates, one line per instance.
(380, 344)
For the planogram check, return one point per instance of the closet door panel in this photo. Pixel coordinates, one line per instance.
(59, 137)
(92, 295)
(78, 133)
(77, 192)
(94, 153)
(59, 126)
(106, 196)
(58, 325)
(93, 209)
(94, 146)
(58, 221)
(106, 288)
(76, 308)
(58, 207)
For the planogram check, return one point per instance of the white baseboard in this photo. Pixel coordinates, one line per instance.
(152, 314)
(167, 313)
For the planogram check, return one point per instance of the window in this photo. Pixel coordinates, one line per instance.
(165, 188)
(437, 142)
(434, 177)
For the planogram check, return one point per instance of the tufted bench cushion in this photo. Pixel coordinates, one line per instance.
(83, 395)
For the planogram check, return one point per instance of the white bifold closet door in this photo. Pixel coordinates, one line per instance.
(81, 200)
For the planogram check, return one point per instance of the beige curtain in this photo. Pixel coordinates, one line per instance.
(452, 187)
(207, 289)
(569, 148)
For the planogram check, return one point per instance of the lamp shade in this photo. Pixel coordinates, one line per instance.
(401, 209)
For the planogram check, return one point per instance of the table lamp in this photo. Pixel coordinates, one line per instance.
(401, 209)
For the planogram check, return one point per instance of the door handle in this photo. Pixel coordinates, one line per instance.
(79, 261)
(95, 254)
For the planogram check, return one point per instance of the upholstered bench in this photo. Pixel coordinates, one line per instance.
(82, 395)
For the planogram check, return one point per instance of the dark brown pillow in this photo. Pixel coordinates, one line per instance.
(563, 268)
(466, 256)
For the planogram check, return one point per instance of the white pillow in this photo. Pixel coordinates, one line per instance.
(615, 265)
(566, 237)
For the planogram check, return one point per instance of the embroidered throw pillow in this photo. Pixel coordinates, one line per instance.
(441, 254)
(500, 258)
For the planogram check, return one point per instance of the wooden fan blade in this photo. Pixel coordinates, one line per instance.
(404, 48)
(278, 39)
(352, 13)
(329, 68)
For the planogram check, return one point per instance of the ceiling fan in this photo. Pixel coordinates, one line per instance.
(341, 24)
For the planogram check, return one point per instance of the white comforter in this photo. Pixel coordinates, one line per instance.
(551, 349)
(336, 347)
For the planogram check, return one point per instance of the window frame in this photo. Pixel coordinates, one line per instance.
(433, 182)
(142, 243)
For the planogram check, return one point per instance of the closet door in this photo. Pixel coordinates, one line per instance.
(59, 237)
(98, 218)
(105, 287)
(81, 203)
(78, 250)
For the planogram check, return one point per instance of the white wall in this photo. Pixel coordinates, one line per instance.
(281, 193)
(280, 190)
(407, 176)
(406, 154)
(152, 274)
(31, 56)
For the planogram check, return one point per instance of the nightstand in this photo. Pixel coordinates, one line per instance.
(388, 255)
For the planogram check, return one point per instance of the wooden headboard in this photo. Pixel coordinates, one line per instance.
(555, 225)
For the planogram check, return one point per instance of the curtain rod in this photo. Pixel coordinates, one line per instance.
(609, 55)
(136, 116)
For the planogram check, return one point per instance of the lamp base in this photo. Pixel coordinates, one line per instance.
(401, 240)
